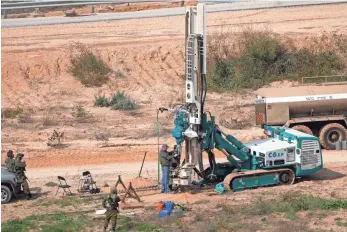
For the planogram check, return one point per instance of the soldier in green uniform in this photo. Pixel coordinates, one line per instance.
(165, 159)
(110, 203)
(20, 171)
(10, 163)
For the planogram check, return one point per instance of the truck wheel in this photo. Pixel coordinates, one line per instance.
(303, 128)
(6, 194)
(330, 134)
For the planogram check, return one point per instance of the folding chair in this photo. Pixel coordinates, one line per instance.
(87, 184)
(63, 186)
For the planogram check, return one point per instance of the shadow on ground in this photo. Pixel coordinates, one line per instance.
(326, 174)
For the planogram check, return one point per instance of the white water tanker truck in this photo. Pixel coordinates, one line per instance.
(315, 110)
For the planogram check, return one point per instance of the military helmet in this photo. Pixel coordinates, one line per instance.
(20, 155)
(164, 147)
(10, 153)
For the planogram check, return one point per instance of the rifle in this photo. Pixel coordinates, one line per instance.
(113, 205)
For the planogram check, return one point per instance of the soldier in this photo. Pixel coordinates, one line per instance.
(110, 203)
(164, 158)
(20, 169)
(10, 163)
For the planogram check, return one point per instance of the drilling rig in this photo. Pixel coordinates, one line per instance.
(285, 155)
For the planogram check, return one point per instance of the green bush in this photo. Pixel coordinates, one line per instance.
(87, 67)
(261, 57)
(12, 113)
(101, 101)
(121, 101)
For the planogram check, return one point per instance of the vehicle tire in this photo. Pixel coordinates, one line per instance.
(6, 194)
(330, 134)
(303, 128)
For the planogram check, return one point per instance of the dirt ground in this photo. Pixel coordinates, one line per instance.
(329, 183)
(149, 52)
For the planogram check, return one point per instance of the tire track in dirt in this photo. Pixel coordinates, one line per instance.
(172, 64)
(142, 76)
(175, 56)
(145, 58)
(150, 67)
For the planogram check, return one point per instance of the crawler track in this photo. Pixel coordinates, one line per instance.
(229, 179)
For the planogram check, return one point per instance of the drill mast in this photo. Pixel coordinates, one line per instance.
(195, 84)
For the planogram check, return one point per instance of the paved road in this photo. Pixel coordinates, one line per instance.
(160, 12)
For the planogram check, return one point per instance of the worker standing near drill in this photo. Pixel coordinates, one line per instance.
(20, 172)
(164, 159)
(10, 162)
(110, 203)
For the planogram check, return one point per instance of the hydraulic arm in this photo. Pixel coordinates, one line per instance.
(276, 160)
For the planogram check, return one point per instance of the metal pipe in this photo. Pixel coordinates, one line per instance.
(158, 146)
(144, 157)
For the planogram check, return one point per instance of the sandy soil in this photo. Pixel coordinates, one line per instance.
(149, 52)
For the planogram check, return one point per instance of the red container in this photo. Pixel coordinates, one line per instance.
(160, 206)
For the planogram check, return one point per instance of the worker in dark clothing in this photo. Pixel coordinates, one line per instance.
(164, 159)
(110, 203)
(20, 172)
(10, 162)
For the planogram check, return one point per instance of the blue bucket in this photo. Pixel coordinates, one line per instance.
(164, 213)
(169, 205)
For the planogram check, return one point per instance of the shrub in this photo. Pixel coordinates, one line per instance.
(101, 101)
(55, 139)
(260, 57)
(90, 69)
(119, 74)
(49, 119)
(12, 113)
(80, 114)
(121, 101)
(101, 136)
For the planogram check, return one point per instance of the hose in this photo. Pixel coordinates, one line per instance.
(158, 133)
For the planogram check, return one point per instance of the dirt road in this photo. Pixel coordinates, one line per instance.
(109, 172)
